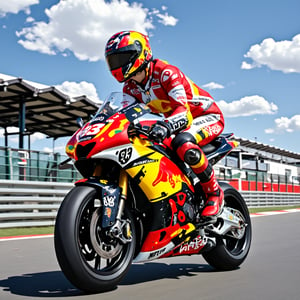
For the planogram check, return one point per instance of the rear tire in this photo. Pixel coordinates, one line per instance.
(229, 252)
(74, 243)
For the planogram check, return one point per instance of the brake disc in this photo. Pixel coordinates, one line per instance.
(106, 249)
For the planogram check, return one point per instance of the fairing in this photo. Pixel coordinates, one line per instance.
(167, 188)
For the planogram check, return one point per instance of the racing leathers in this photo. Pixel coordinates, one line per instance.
(192, 119)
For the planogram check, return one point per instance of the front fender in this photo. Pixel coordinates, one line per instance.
(109, 195)
(93, 182)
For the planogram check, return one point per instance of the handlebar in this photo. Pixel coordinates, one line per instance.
(136, 129)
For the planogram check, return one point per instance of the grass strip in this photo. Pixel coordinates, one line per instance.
(26, 231)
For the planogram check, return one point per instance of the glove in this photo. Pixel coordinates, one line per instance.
(132, 129)
(159, 131)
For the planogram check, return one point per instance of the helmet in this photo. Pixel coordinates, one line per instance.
(127, 53)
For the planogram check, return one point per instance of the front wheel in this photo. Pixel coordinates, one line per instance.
(92, 259)
(232, 249)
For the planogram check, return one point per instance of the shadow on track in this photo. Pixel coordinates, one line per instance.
(47, 284)
(55, 284)
(140, 273)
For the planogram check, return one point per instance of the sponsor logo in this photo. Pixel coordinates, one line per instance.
(109, 201)
(99, 118)
(156, 253)
(206, 120)
(155, 87)
(195, 244)
(174, 76)
(213, 130)
(204, 102)
(166, 74)
(108, 212)
(178, 94)
(144, 162)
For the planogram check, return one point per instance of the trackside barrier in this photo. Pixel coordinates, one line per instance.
(34, 203)
(259, 199)
(30, 203)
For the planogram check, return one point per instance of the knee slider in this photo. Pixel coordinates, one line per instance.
(192, 156)
(181, 138)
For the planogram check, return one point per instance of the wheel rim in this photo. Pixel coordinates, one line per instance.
(237, 246)
(104, 246)
(101, 254)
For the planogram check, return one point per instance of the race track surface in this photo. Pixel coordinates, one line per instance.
(28, 270)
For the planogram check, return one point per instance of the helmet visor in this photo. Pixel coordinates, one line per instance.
(119, 60)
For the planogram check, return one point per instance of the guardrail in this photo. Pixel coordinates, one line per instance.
(30, 203)
(259, 199)
(33, 203)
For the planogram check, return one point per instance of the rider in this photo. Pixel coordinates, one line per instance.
(192, 118)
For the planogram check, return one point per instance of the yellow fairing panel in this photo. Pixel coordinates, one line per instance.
(157, 176)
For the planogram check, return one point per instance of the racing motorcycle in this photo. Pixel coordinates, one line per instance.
(137, 202)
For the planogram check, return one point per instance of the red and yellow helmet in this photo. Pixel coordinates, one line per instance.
(127, 52)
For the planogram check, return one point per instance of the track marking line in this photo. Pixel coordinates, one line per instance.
(275, 212)
(25, 237)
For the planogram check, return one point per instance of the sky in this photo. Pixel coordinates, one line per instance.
(246, 54)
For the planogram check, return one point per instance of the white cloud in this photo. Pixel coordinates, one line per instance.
(282, 55)
(29, 20)
(213, 86)
(9, 130)
(60, 149)
(83, 27)
(37, 136)
(15, 139)
(247, 66)
(15, 6)
(247, 106)
(75, 89)
(166, 19)
(285, 124)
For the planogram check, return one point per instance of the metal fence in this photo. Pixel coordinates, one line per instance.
(16, 164)
(33, 203)
(269, 199)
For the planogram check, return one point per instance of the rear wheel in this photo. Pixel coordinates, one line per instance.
(90, 257)
(232, 249)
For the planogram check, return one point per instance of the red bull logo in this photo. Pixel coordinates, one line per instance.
(168, 172)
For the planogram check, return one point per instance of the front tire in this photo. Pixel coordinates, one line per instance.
(230, 252)
(78, 232)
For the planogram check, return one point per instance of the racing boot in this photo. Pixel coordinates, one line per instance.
(214, 195)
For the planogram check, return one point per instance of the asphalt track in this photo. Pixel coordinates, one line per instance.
(28, 270)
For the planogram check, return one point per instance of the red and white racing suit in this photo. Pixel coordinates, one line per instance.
(193, 115)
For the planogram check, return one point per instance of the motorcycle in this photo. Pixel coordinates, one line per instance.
(137, 202)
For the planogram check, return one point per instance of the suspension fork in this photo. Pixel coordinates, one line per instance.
(123, 184)
(117, 229)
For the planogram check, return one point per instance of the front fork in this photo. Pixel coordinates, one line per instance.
(121, 228)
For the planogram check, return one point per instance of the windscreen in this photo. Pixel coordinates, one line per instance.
(114, 103)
